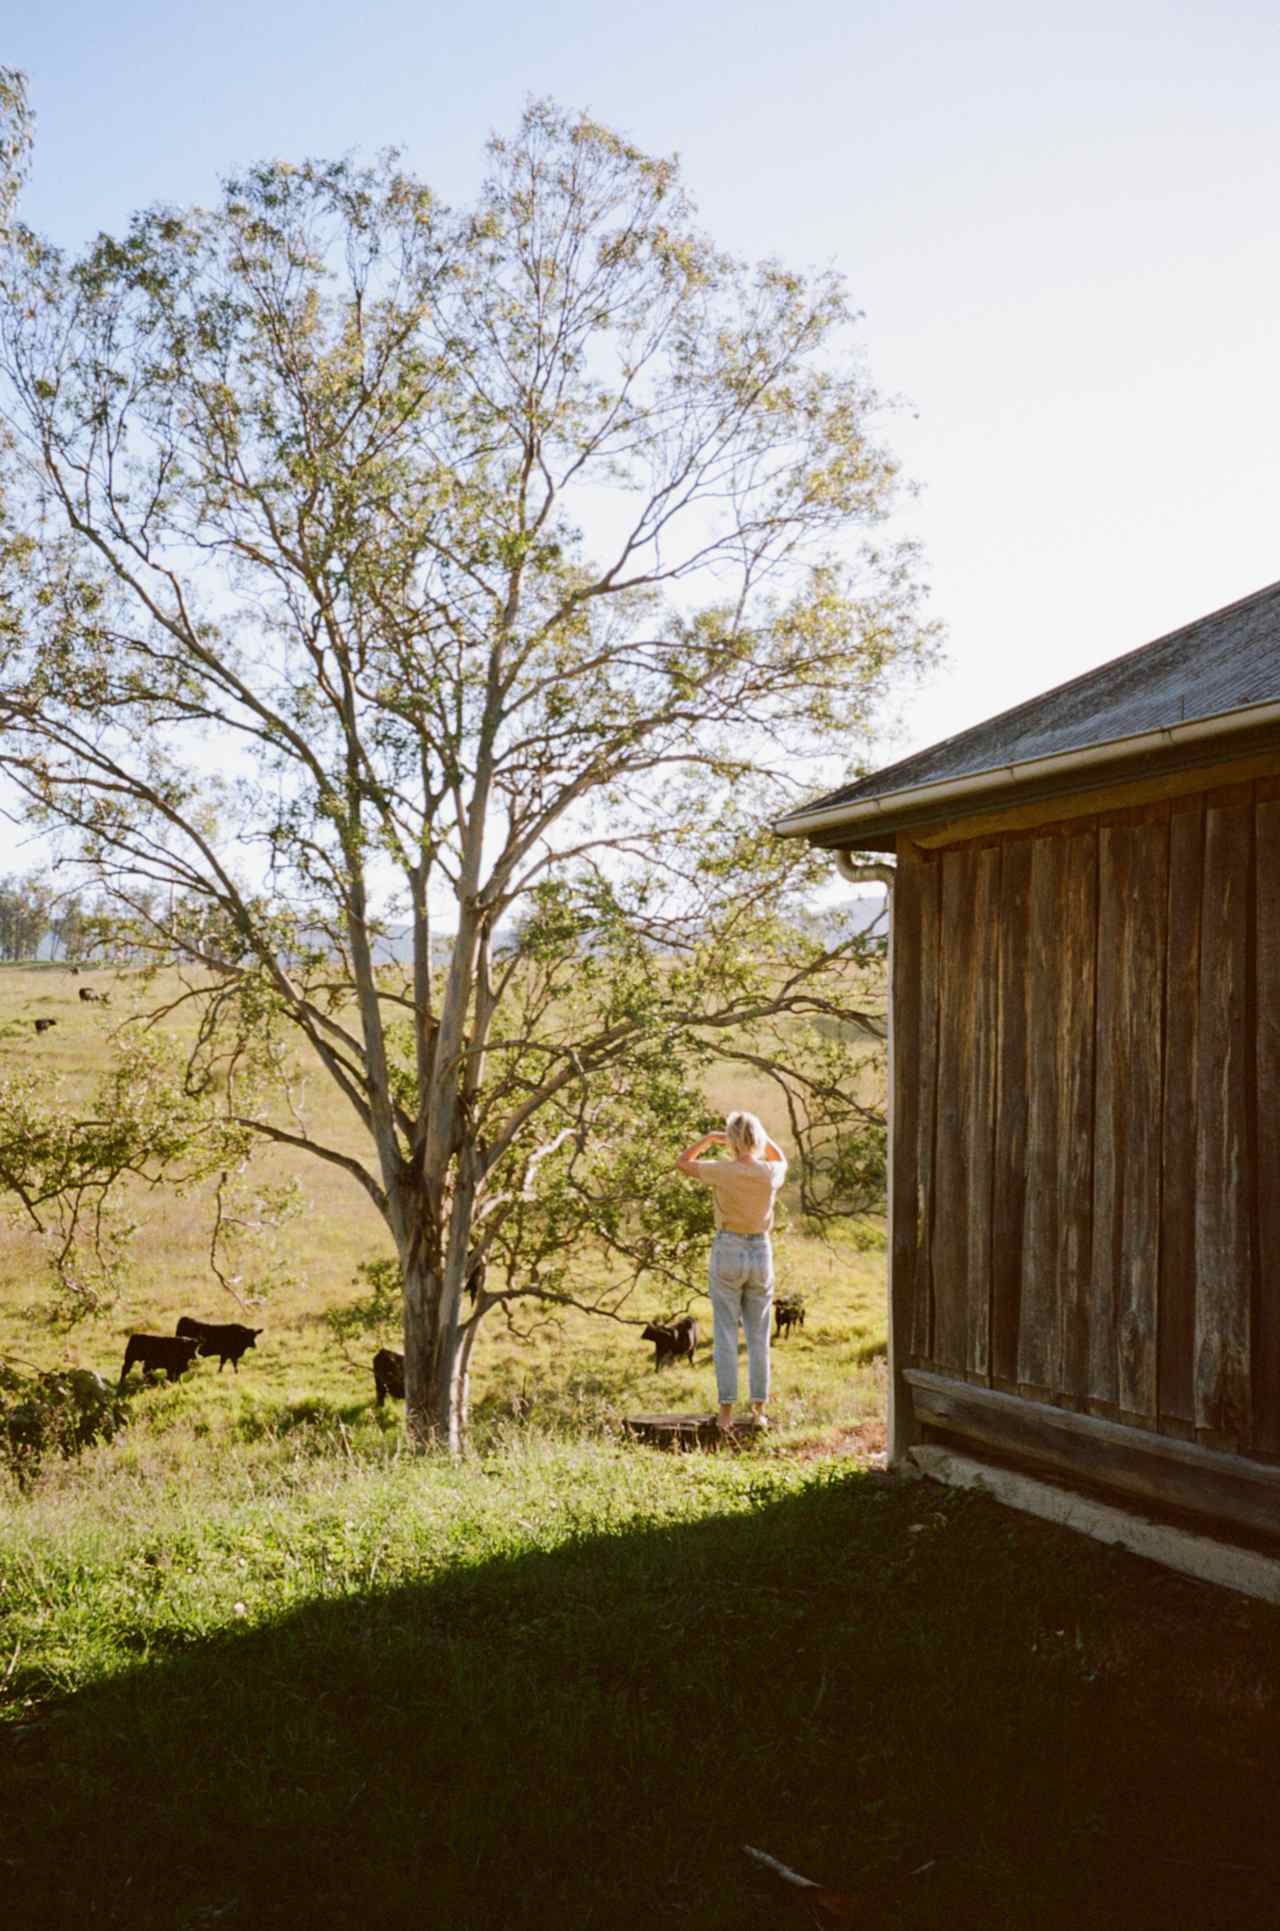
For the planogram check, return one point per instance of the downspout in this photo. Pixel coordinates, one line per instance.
(867, 875)
(899, 1429)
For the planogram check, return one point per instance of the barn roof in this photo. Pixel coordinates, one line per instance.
(1205, 675)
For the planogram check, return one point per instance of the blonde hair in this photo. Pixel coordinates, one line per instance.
(747, 1137)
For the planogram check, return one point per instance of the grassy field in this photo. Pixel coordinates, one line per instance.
(259, 1666)
(573, 1370)
(563, 1684)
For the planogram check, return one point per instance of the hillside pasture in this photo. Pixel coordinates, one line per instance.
(556, 1368)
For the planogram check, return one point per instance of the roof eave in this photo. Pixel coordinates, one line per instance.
(889, 806)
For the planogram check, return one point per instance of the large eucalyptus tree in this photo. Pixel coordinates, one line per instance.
(488, 573)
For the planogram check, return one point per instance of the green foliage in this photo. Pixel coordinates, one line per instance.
(594, 1171)
(15, 140)
(59, 1412)
(379, 1313)
(62, 1162)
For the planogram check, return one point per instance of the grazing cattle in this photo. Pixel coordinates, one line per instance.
(388, 1375)
(159, 1354)
(43, 1025)
(671, 1339)
(227, 1339)
(788, 1313)
(92, 998)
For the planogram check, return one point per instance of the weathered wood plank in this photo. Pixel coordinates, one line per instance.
(1038, 1361)
(1177, 1300)
(1142, 996)
(1224, 1164)
(906, 1091)
(1076, 1082)
(1014, 1079)
(1111, 1112)
(1266, 1321)
(690, 1431)
(948, 1245)
(1182, 1546)
(930, 906)
(980, 1122)
(1132, 918)
(1224, 1488)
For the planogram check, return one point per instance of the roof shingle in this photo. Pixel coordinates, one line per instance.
(1218, 664)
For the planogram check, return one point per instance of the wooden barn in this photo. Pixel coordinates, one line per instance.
(1085, 1195)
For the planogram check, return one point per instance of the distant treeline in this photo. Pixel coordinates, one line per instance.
(37, 921)
(40, 920)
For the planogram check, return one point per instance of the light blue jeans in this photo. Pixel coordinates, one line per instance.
(741, 1287)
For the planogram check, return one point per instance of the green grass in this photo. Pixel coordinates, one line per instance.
(562, 1685)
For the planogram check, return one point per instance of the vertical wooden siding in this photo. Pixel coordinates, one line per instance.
(1088, 1094)
(1225, 1177)
(1177, 1314)
(1266, 1328)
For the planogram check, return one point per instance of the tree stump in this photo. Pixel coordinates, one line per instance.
(689, 1431)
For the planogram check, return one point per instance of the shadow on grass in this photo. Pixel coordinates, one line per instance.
(857, 1677)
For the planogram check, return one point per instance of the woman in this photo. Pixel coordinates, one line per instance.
(741, 1272)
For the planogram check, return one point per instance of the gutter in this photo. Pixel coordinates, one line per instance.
(894, 803)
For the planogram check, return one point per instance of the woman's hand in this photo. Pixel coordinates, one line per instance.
(699, 1146)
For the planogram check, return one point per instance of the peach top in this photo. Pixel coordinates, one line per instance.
(744, 1191)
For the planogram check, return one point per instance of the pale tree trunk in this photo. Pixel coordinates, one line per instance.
(432, 1362)
(463, 1381)
(437, 1348)
(433, 1211)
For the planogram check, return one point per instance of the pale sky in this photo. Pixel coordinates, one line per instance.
(1060, 222)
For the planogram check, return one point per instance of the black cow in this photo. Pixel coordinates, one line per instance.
(92, 998)
(227, 1339)
(43, 1025)
(159, 1354)
(671, 1339)
(788, 1313)
(388, 1375)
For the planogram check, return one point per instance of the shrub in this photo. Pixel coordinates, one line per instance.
(61, 1412)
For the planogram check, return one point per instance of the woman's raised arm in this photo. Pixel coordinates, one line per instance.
(684, 1160)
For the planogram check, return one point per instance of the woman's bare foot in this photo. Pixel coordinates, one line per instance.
(724, 1420)
(758, 1415)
